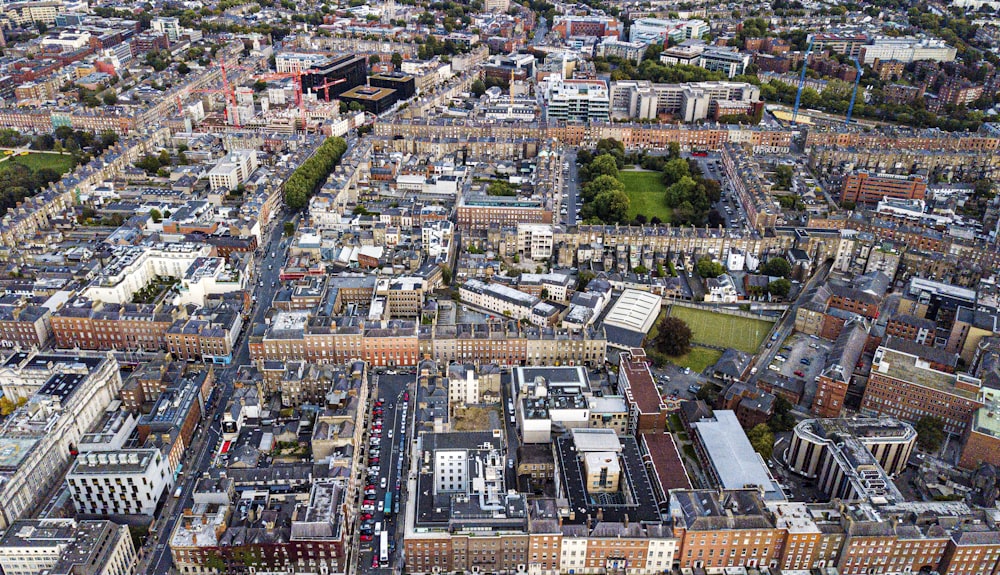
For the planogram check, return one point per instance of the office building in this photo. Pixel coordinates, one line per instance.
(905, 386)
(727, 60)
(729, 459)
(658, 31)
(125, 482)
(864, 188)
(907, 49)
(853, 459)
(577, 100)
(352, 69)
(67, 547)
(232, 170)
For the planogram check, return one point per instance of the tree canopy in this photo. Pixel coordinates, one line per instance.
(673, 336)
(313, 172)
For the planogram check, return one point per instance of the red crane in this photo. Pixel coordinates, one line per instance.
(326, 87)
(297, 76)
(229, 98)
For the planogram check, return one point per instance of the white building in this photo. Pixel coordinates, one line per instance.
(690, 102)
(464, 390)
(907, 50)
(657, 31)
(285, 62)
(136, 266)
(232, 170)
(498, 299)
(209, 276)
(729, 61)
(36, 440)
(721, 290)
(436, 237)
(576, 100)
(33, 546)
(171, 27)
(535, 241)
(126, 482)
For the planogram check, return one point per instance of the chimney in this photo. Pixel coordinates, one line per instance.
(194, 539)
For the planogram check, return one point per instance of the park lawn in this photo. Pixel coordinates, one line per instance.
(35, 161)
(723, 330)
(697, 359)
(646, 193)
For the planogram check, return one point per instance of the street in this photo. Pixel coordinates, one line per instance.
(572, 188)
(202, 451)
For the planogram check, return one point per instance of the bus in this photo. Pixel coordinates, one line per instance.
(383, 548)
(387, 508)
(698, 153)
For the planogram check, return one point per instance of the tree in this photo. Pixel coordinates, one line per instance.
(155, 215)
(673, 336)
(611, 206)
(289, 228)
(613, 147)
(762, 440)
(673, 150)
(675, 170)
(640, 270)
(397, 61)
(783, 177)
(183, 69)
(478, 88)
(7, 406)
(709, 269)
(446, 275)
(781, 418)
(707, 393)
(603, 165)
(779, 287)
(110, 98)
(778, 267)
(930, 432)
(599, 185)
(374, 60)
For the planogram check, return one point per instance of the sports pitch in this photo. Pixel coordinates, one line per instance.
(723, 330)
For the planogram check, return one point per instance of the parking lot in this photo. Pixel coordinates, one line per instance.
(804, 359)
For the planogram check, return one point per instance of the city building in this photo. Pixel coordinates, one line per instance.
(726, 454)
(646, 411)
(864, 188)
(576, 100)
(906, 49)
(853, 459)
(657, 31)
(905, 386)
(124, 482)
(232, 170)
(67, 547)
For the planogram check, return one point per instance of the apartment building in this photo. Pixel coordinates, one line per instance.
(123, 482)
(232, 170)
(647, 412)
(584, 101)
(25, 325)
(58, 546)
(905, 386)
(688, 102)
(93, 325)
(659, 31)
(477, 212)
(863, 187)
(907, 49)
(534, 241)
(134, 267)
(498, 298)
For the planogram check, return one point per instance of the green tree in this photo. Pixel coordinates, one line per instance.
(7, 406)
(599, 185)
(779, 287)
(930, 433)
(611, 206)
(110, 98)
(397, 60)
(155, 215)
(374, 60)
(183, 69)
(673, 336)
(446, 274)
(308, 176)
(289, 228)
(675, 170)
(777, 267)
(603, 165)
(673, 150)
(762, 440)
(478, 88)
(783, 177)
(709, 269)
(640, 270)
(781, 418)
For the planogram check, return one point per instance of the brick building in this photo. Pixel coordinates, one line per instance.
(864, 188)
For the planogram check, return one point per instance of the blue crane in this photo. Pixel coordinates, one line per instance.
(854, 94)
(802, 81)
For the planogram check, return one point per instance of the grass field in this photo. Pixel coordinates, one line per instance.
(38, 160)
(698, 358)
(645, 193)
(723, 330)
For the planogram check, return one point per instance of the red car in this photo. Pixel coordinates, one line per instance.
(368, 502)
(799, 373)
(366, 516)
(375, 562)
(370, 487)
(366, 537)
(406, 396)
(373, 461)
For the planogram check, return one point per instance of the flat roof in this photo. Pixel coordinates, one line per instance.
(667, 463)
(634, 310)
(368, 93)
(736, 463)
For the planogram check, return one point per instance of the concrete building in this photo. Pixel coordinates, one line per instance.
(36, 440)
(647, 412)
(67, 547)
(688, 102)
(548, 398)
(853, 459)
(125, 482)
(498, 298)
(232, 170)
(134, 267)
(907, 49)
(534, 241)
(726, 60)
(659, 31)
(905, 386)
(576, 100)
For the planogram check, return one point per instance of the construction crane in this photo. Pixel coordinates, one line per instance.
(802, 82)
(297, 76)
(227, 96)
(854, 94)
(326, 87)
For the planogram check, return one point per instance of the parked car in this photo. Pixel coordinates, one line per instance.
(800, 373)
(694, 388)
(366, 538)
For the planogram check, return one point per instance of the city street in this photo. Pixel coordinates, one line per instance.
(572, 189)
(389, 388)
(207, 438)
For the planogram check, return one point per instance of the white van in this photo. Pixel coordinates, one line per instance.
(378, 528)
